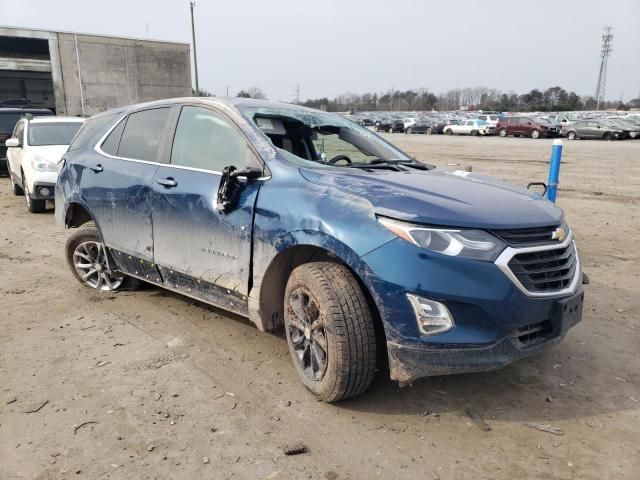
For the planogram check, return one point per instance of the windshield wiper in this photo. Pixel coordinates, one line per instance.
(377, 163)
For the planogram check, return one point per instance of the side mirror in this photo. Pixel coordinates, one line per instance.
(13, 142)
(230, 187)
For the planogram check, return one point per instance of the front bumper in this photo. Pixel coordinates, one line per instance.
(492, 315)
(408, 363)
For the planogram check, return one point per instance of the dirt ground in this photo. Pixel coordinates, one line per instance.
(150, 384)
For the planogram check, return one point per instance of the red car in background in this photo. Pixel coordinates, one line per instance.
(520, 126)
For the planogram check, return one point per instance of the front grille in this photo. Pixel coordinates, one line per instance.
(527, 236)
(533, 332)
(545, 270)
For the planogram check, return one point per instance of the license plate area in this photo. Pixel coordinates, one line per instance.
(569, 311)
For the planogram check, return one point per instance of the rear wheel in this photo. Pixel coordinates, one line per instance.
(571, 136)
(535, 134)
(503, 132)
(448, 131)
(429, 131)
(87, 259)
(474, 133)
(330, 331)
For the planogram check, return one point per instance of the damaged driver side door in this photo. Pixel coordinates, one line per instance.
(203, 250)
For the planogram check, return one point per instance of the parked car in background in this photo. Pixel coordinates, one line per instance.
(625, 125)
(427, 126)
(491, 119)
(397, 126)
(591, 129)
(407, 122)
(33, 153)
(383, 124)
(304, 221)
(526, 126)
(8, 119)
(470, 127)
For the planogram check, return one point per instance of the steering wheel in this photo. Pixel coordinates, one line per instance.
(337, 158)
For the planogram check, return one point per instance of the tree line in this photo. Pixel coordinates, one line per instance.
(553, 99)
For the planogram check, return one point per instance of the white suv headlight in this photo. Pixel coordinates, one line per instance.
(476, 244)
(42, 164)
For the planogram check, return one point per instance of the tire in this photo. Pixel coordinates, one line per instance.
(409, 131)
(503, 132)
(606, 136)
(535, 134)
(86, 241)
(33, 205)
(15, 188)
(343, 343)
(429, 131)
(448, 131)
(571, 136)
(474, 133)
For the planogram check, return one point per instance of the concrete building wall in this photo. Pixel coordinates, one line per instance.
(116, 71)
(92, 73)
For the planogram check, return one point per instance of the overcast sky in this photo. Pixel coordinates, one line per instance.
(330, 47)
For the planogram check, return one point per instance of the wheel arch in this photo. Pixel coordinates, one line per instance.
(266, 306)
(77, 215)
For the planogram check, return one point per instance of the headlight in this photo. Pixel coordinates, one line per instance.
(42, 165)
(476, 244)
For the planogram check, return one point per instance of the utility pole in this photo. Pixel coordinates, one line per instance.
(195, 56)
(227, 90)
(297, 93)
(607, 37)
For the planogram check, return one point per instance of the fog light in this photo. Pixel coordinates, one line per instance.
(44, 191)
(432, 317)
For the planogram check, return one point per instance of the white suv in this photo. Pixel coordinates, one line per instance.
(33, 153)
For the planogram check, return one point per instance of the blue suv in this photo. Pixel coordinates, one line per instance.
(305, 221)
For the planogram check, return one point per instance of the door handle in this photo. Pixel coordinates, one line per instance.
(168, 182)
(97, 168)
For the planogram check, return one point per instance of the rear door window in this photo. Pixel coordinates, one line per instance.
(143, 134)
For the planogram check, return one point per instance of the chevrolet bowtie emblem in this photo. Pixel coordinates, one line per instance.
(559, 234)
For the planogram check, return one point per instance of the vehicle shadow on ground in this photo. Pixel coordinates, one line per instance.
(550, 386)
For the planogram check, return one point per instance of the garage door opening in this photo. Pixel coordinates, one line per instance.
(25, 72)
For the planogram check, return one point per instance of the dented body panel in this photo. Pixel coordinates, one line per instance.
(239, 260)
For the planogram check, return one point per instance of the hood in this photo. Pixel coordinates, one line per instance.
(442, 197)
(52, 153)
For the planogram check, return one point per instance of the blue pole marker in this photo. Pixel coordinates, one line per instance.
(554, 170)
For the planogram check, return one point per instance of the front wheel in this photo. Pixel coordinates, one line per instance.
(429, 131)
(330, 331)
(571, 136)
(448, 131)
(87, 259)
(15, 188)
(503, 132)
(409, 131)
(535, 134)
(33, 205)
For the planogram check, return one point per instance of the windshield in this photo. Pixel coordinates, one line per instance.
(57, 133)
(8, 121)
(318, 139)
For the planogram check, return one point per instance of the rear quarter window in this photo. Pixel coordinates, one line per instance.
(90, 130)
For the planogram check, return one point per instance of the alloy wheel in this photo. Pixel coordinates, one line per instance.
(306, 329)
(90, 262)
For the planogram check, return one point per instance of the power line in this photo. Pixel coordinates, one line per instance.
(607, 38)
